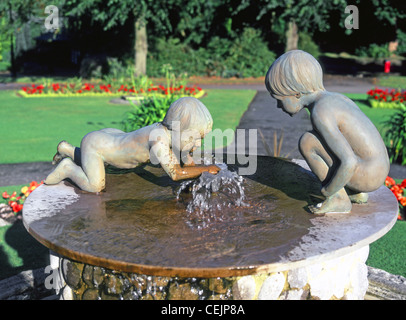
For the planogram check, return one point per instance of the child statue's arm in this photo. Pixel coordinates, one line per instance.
(170, 163)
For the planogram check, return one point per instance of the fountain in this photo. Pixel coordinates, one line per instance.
(142, 238)
(282, 232)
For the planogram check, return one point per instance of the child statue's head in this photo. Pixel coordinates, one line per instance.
(294, 74)
(191, 119)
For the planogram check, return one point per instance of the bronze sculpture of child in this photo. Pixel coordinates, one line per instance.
(344, 149)
(187, 117)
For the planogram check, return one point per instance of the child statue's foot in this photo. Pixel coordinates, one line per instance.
(64, 149)
(335, 204)
(57, 158)
(361, 197)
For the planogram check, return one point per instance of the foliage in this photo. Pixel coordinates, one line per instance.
(395, 136)
(307, 15)
(307, 44)
(149, 111)
(389, 11)
(399, 191)
(401, 36)
(249, 56)
(182, 58)
(246, 55)
(373, 51)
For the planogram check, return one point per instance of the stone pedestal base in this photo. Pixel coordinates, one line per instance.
(339, 278)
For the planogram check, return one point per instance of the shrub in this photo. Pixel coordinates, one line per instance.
(179, 55)
(147, 112)
(307, 44)
(395, 136)
(401, 36)
(246, 55)
(373, 51)
(249, 55)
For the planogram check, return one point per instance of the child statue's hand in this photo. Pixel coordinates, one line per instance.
(213, 169)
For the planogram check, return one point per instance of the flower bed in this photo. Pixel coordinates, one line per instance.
(16, 202)
(400, 194)
(89, 89)
(392, 99)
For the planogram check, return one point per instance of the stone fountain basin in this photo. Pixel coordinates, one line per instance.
(135, 240)
(136, 225)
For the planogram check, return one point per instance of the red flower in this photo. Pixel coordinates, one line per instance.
(17, 207)
(389, 181)
(5, 195)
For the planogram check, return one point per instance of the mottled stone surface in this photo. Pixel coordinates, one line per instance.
(343, 278)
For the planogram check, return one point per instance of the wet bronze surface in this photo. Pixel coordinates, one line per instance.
(137, 225)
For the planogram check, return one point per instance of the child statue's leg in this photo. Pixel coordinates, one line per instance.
(320, 162)
(91, 178)
(65, 169)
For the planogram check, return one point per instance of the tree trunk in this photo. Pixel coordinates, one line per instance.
(12, 55)
(140, 47)
(292, 36)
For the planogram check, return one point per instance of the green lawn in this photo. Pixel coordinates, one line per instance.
(397, 82)
(31, 128)
(389, 252)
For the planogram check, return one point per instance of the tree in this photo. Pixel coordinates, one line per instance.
(16, 14)
(393, 13)
(292, 16)
(162, 16)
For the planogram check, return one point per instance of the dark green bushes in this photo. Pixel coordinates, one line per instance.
(246, 55)
(395, 136)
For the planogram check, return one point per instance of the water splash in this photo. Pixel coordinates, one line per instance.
(208, 197)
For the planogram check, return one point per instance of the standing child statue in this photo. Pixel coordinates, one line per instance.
(344, 149)
(187, 118)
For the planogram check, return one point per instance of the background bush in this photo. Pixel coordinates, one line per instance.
(246, 55)
(373, 51)
(307, 44)
(395, 136)
(147, 112)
